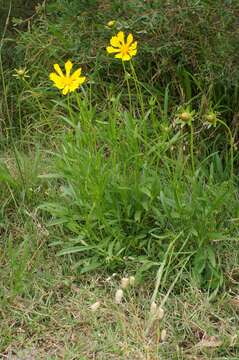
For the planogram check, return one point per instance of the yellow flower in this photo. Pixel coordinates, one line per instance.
(124, 50)
(67, 83)
(111, 23)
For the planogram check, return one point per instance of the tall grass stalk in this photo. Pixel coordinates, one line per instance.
(231, 141)
(2, 70)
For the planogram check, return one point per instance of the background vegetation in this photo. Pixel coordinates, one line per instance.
(119, 188)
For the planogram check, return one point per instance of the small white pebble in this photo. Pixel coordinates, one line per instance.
(111, 277)
(119, 296)
(163, 335)
(160, 313)
(124, 283)
(132, 280)
(153, 308)
(94, 307)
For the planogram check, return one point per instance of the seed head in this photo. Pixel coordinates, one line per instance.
(211, 118)
(185, 116)
(21, 73)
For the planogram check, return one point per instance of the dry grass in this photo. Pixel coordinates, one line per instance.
(57, 323)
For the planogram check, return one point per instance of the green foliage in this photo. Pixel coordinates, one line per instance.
(191, 45)
(124, 195)
(135, 173)
(131, 182)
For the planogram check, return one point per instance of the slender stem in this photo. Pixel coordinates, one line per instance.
(138, 89)
(70, 110)
(1, 68)
(191, 146)
(129, 92)
(231, 144)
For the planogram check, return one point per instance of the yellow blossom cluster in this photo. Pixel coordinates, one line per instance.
(67, 82)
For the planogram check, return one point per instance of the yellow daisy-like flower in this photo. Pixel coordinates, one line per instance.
(67, 82)
(124, 50)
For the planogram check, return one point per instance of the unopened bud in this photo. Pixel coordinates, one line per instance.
(185, 116)
(210, 118)
(132, 280)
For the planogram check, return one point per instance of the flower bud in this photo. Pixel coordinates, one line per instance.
(185, 116)
(211, 119)
(111, 23)
(132, 280)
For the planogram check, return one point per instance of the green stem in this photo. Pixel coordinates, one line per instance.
(138, 89)
(191, 146)
(1, 69)
(129, 92)
(231, 144)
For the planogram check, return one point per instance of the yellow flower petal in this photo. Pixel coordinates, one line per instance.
(82, 79)
(133, 46)
(68, 67)
(119, 56)
(126, 57)
(114, 41)
(75, 84)
(65, 90)
(76, 74)
(58, 81)
(120, 37)
(130, 39)
(58, 69)
(111, 49)
(132, 52)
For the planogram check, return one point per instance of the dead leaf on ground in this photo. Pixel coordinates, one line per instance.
(235, 301)
(209, 342)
